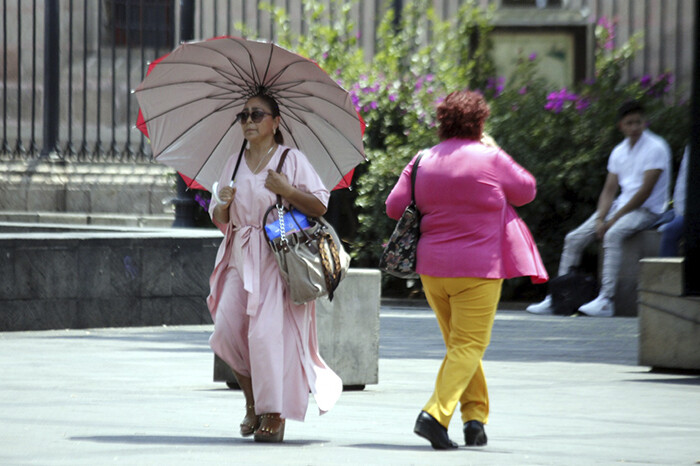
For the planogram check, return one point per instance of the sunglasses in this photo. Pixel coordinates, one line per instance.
(256, 115)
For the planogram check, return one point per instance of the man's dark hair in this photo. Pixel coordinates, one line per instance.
(630, 106)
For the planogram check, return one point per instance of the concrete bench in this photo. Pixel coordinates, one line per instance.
(636, 247)
(669, 322)
(348, 331)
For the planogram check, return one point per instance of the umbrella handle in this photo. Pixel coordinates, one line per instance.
(215, 191)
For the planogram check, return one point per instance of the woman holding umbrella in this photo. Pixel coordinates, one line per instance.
(268, 341)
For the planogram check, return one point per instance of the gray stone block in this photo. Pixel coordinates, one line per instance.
(157, 272)
(130, 199)
(125, 268)
(123, 311)
(669, 323)
(348, 327)
(7, 272)
(662, 275)
(190, 311)
(45, 198)
(348, 331)
(13, 198)
(94, 279)
(192, 265)
(45, 273)
(37, 314)
(101, 274)
(78, 199)
(669, 332)
(156, 311)
(103, 198)
(161, 200)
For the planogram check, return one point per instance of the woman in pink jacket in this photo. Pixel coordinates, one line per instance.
(471, 239)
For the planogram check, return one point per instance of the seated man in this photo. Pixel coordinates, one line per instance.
(639, 167)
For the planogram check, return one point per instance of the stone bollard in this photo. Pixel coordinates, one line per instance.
(348, 331)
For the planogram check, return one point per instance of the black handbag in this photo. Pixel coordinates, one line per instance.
(571, 291)
(399, 256)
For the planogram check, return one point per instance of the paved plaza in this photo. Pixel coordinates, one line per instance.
(564, 390)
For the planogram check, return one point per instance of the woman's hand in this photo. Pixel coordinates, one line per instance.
(278, 184)
(307, 203)
(226, 194)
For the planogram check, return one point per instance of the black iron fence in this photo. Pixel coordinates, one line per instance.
(68, 68)
(93, 53)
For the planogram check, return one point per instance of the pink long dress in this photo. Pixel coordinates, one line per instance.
(258, 331)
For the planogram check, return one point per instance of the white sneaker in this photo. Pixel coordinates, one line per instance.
(542, 308)
(599, 307)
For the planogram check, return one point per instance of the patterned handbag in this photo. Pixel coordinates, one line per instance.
(399, 256)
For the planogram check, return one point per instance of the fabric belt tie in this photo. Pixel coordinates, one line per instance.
(251, 243)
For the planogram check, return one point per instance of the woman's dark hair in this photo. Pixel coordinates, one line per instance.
(462, 115)
(274, 109)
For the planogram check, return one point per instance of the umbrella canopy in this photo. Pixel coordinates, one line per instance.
(190, 98)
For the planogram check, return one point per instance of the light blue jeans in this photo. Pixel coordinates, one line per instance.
(577, 240)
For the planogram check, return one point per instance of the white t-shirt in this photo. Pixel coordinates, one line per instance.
(651, 152)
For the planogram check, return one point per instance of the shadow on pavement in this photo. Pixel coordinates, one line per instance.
(187, 440)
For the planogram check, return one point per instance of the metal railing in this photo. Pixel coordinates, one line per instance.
(84, 107)
(75, 100)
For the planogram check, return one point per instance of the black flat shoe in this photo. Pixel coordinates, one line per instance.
(474, 434)
(430, 429)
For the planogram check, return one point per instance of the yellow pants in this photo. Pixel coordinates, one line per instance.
(465, 309)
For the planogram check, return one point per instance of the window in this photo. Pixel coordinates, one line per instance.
(532, 3)
(141, 22)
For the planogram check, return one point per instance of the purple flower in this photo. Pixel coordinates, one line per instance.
(203, 202)
(523, 90)
(582, 104)
(497, 84)
(533, 56)
(556, 100)
(373, 105)
(609, 32)
(645, 81)
(392, 97)
(325, 55)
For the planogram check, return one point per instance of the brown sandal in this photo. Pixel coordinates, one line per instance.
(271, 428)
(250, 422)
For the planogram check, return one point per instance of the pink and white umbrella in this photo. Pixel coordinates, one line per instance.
(190, 98)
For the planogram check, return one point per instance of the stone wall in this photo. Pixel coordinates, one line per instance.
(52, 185)
(125, 277)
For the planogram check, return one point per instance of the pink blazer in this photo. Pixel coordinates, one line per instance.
(465, 192)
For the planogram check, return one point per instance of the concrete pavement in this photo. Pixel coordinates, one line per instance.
(564, 390)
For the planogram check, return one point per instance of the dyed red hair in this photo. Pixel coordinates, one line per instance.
(462, 115)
